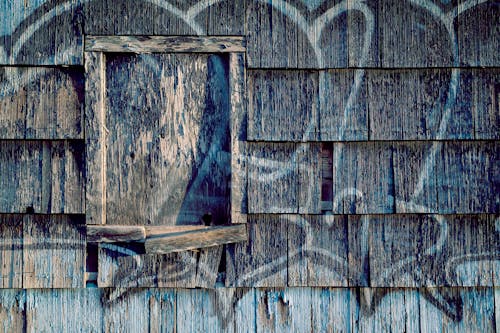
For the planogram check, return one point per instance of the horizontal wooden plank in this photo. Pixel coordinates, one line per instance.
(41, 177)
(165, 44)
(115, 233)
(41, 103)
(195, 239)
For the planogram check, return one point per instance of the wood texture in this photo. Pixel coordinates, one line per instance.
(195, 239)
(41, 103)
(115, 233)
(271, 36)
(283, 105)
(12, 310)
(165, 44)
(11, 253)
(41, 177)
(226, 18)
(175, 165)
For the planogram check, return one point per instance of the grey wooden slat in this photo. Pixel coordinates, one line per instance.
(68, 310)
(363, 29)
(271, 36)
(165, 44)
(95, 158)
(462, 310)
(309, 178)
(262, 261)
(167, 22)
(53, 252)
(238, 115)
(69, 33)
(358, 228)
(41, 177)
(12, 314)
(415, 184)
(97, 17)
(331, 309)
(410, 36)
(174, 167)
(207, 271)
(283, 105)
(317, 250)
(41, 103)
(332, 39)
(162, 308)
(427, 251)
(273, 178)
(468, 177)
(117, 313)
(11, 252)
(115, 233)
(283, 310)
(478, 34)
(342, 106)
(363, 178)
(227, 18)
(497, 307)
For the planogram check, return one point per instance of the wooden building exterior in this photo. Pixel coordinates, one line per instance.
(249, 166)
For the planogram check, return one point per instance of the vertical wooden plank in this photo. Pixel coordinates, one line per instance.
(271, 36)
(162, 307)
(284, 310)
(363, 34)
(262, 261)
(11, 251)
(168, 22)
(410, 36)
(457, 310)
(283, 105)
(331, 309)
(227, 18)
(68, 310)
(363, 178)
(97, 16)
(12, 310)
(95, 135)
(477, 33)
(207, 267)
(309, 178)
(474, 164)
(272, 178)
(415, 177)
(245, 310)
(239, 117)
(317, 250)
(497, 308)
(69, 33)
(117, 313)
(358, 228)
(343, 106)
(54, 252)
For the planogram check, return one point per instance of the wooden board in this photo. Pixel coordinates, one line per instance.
(226, 18)
(342, 106)
(164, 174)
(282, 105)
(363, 178)
(164, 44)
(478, 34)
(41, 177)
(271, 36)
(363, 34)
(11, 251)
(43, 33)
(12, 310)
(41, 103)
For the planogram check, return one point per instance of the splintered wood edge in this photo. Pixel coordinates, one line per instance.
(195, 239)
(145, 44)
(115, 233)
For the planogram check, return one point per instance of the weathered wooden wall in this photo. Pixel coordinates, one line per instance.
(358, 141)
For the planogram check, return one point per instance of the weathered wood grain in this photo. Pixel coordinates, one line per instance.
(238, 115)
(11, 251)
(342, 106)
(262, 261)
(68, 309)
(363, 34)
(43, 33)
(409, 36)
(135, 303)
(478, 34)
(165, 44)
(282, 105)
(271, 36)
(53, 252)
(331, 309)
(226, 18)
(195, 239)
(168, 143)
(95, 139)
(41, 103)
(41, 177)
(12, 310)
(326, 176)
(317, 250)
(167, 21)
(309, 178)
(363, 178)
(115, 233)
